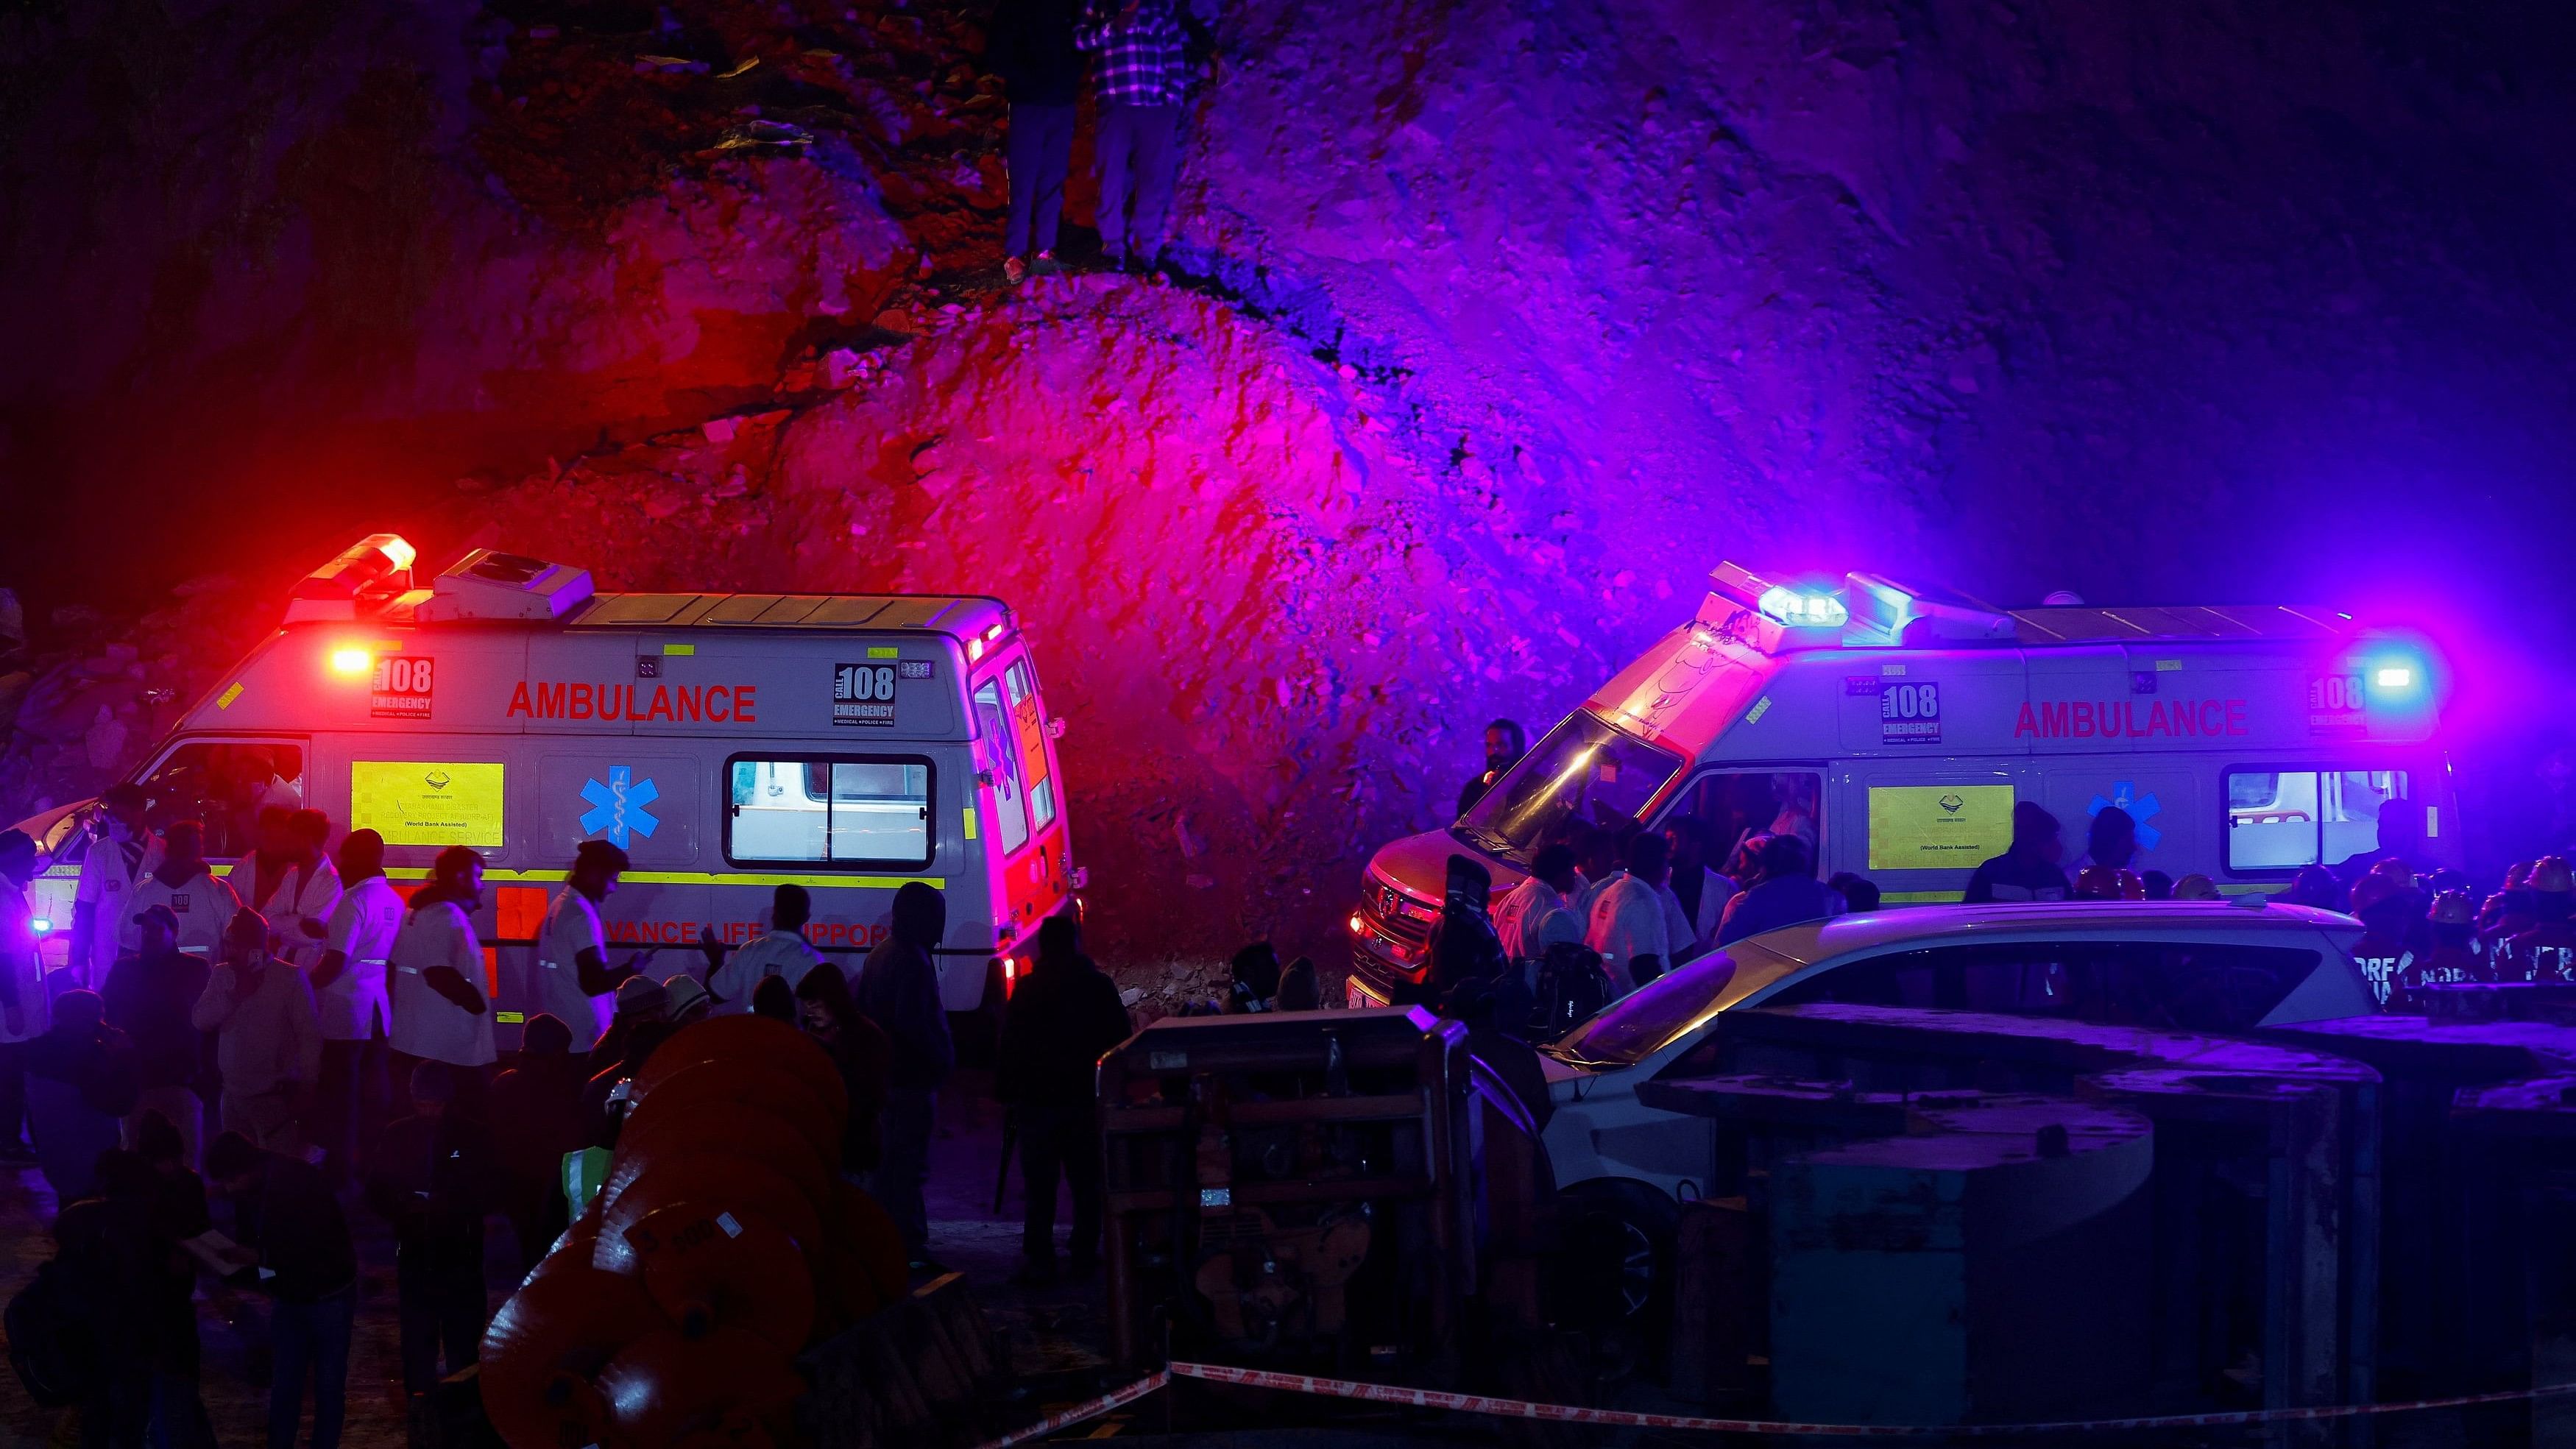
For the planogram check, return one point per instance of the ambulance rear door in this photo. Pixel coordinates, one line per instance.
(1021, 799)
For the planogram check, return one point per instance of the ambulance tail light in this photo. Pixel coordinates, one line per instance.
(351, 662)
(367, 576)
(1010, 974)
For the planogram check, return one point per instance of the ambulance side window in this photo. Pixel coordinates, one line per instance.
(1002, 749)
(1029, 728)
(2284, 819)
(225, 784)
(1735, 807)
(829, 810)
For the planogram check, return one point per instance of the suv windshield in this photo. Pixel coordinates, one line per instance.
(1583, 765)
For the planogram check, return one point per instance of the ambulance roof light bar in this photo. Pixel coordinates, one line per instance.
(490, 584)
(1885, 612)
(367, 575)
(1772, 615)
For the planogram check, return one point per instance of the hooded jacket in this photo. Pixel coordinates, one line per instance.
(1064, 1015)
(898, 988)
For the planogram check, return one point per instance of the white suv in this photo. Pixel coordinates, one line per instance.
(2192, 966)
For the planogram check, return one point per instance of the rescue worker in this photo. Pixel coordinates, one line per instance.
(2028, 870)
(1603, 854)
(1702, 891)
(2316, 886)
(122, 852)
(898, 989)
(438, 1015)
(25, 1012)
(2381, 953)
(268, 1040)
(2456, 956)
(1859, 892)
(689, 1000)
(1063, 1017)
(2508, 912)
(2195, 887)
(202, 904)
(1505, 743)
(1786, 893)
(151, 996)
(2546, 951)
(431, 1176)
(296, 887)
(1629, 924)
(781, 951)
(1540, 910)
(573, 978)
(350, 994)
(2111, 841)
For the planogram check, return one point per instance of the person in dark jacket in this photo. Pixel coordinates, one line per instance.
(1064, 1015)
(178, 1214)
(1255, 985)
(80, 1084)
(430, 1175)
(1785, 891)
(536, 1119)
(2028, 870)
(1463, 945)
(1029, 44)
(1297, 988)
(308, 1266)
(775, 999)
(148, 996)
(898, 989)
(643, 1024)
(861, 1051)
(105, 1262)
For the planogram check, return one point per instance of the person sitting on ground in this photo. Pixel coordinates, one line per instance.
(861, 1052)
(1786, 893)
(2028, 870)
(1063, 1017)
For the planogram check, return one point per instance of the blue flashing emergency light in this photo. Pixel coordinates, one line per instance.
(1804, 608)
(40, 925)
(2393, 676)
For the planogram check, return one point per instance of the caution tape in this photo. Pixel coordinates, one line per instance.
(1088, 1409)
(1570, 1414)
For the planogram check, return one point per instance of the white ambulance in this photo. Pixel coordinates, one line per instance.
(728, 742)
(1894, 728)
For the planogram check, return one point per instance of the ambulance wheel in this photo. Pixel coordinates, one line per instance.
(1624, 1237)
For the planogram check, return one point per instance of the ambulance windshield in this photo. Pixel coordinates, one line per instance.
(1584, 767)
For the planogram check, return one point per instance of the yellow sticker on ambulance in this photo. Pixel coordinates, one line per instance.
(427, 802)
(1938, 827)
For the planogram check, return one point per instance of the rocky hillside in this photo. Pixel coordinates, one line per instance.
(1493, 326)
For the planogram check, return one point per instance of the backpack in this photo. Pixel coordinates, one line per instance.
(48, 1346)
(1572, 987)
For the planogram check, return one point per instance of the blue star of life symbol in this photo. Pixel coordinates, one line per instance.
(617, 808)
(2125, 794)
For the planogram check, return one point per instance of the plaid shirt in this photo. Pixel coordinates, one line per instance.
(1140, 61)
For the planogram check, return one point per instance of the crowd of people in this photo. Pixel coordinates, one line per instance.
(227, 1069)
(1139, 82)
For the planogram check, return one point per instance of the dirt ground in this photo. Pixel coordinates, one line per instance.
(1056, 1336)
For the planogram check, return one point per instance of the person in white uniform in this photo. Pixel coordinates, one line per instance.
(1634, 919)
(122, 852)
(574, 981)
(299, 895)
(349, 991)
(203, 904)
(1540, 911)
(438, 1013)
(783, 952)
